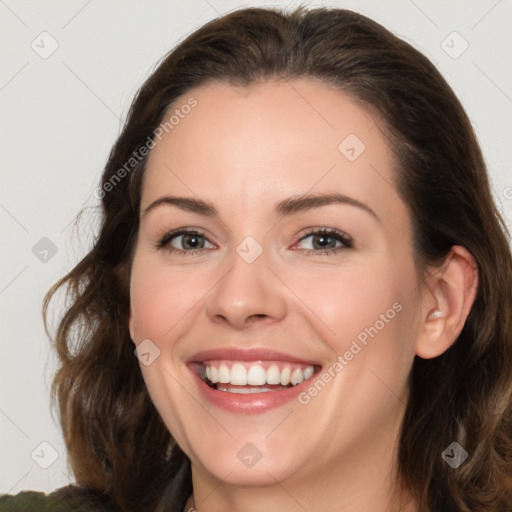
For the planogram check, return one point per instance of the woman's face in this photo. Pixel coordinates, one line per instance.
(299, 265)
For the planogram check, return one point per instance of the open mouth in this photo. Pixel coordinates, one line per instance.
(246, 377)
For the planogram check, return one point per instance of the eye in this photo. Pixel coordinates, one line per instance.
(324, 241)
(183, 241)
(190, 242)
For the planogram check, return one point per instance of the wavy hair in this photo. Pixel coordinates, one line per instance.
(116, 440)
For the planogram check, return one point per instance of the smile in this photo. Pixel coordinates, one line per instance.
(253, 377)
(250, 380)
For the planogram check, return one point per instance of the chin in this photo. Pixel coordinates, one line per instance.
(235, 467)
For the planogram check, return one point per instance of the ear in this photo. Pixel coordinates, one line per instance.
(448, 294)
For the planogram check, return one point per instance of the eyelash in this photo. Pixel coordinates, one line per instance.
(347, 242)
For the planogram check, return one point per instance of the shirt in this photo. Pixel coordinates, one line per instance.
(74, 498)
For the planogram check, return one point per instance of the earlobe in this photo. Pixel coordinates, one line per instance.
(449, 294)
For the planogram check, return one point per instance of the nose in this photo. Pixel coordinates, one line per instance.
(247, 294)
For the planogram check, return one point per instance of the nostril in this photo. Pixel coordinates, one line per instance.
(259, 315)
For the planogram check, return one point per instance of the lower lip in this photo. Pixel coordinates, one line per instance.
(250, 403)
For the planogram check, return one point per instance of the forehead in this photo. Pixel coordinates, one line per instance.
(248, 146)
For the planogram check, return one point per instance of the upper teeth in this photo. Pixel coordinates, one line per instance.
(254, 374)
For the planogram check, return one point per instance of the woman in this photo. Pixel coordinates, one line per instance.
(337, 335)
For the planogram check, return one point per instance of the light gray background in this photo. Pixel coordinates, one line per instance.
(61, 115)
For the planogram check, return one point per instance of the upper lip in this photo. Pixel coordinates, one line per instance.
(249, 354)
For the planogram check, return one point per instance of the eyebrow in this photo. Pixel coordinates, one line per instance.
(286, 207)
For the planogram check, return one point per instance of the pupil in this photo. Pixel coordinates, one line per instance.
(187, 239)
(322, 239)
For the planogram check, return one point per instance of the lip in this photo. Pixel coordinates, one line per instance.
(254, 403)
(253, 354)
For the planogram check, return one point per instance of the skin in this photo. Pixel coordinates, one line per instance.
(244, 150)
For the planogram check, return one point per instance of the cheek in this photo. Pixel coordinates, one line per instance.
(368, 309)
(354, 298)
(159, 298)
(378, 347)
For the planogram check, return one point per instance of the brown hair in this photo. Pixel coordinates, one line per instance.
(116, 440)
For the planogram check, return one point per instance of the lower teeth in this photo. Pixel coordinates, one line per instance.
(246, 389)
